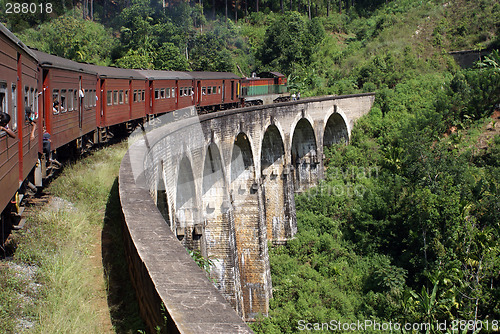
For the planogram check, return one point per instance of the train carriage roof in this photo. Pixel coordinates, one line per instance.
(51, 61)
(165, 75)
(16, 41)
(214, 75)
(117, 72)
(271, 75)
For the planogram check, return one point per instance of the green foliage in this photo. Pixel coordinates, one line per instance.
(290, 41)
(72, 38)
(209, 53)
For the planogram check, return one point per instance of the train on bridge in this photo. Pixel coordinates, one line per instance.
(50, 104)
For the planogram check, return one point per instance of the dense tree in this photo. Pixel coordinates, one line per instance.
(290, 41)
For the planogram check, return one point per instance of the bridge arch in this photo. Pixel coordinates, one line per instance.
(161, 200)
(273, 187)
(336, 129)
(217, 226)
(304, 160)
(250, 233)
(186, 205)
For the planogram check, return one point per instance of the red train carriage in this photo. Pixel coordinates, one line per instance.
(216, 90)
(70, 97)
(122, 96)
(169, 90)
(18, 91)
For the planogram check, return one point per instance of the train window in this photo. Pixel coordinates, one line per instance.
(75, 100)
(190, 91)
(126, 96)
(88, 98)
(115, 97)
(26, 96)
(3, 97)
(35, 102)
(109, 98)
(70, 100)
(135, 96)
(218, 91)
(173, 91)
(162, 93)
(63, 100)
(55, 98)
(13, 116)
(203, 91)
(157, 94)
(214, 90)
(143, 95)
(167, 93)
(120, 97)
(209, 90)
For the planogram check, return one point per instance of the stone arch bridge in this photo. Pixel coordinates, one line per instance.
(223, 185)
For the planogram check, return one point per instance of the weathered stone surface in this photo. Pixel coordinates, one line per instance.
(224, 185)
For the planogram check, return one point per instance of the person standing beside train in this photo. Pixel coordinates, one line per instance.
(4, 121)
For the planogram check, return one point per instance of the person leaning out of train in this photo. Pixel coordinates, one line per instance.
(55, 107)
(30, 119)
(4, 121)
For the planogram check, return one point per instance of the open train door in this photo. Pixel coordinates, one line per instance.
(198, 92)
(81, 95)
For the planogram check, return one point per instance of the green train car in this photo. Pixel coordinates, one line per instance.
(266, 88)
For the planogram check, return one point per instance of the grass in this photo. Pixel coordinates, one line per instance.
(77, 248)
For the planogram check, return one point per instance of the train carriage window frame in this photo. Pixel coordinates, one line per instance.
(218, 91)
(120, 96)
(94, 98)
(167, 93)
(126, 96)
(62, 103)
(55, 97)
(26, 96)
(35, 102)
(75, 99)
(143, 95)
(87, 98)
(4, 100)
(162, 93)
(134, 95)
(115, 97)
(13, 116)
(173, 92)
(209, 90)
(157, 93)
(70, 100)
(214, 89)
(203, 90)
(109, 97)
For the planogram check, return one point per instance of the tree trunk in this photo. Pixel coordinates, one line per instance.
(91, 10)
(282, 7)
(309, 9)
(340, 6)
(257, 6)
(236, 11)
(328, 8)
(226, 11)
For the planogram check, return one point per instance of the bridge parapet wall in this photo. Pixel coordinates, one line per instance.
(223, 184)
